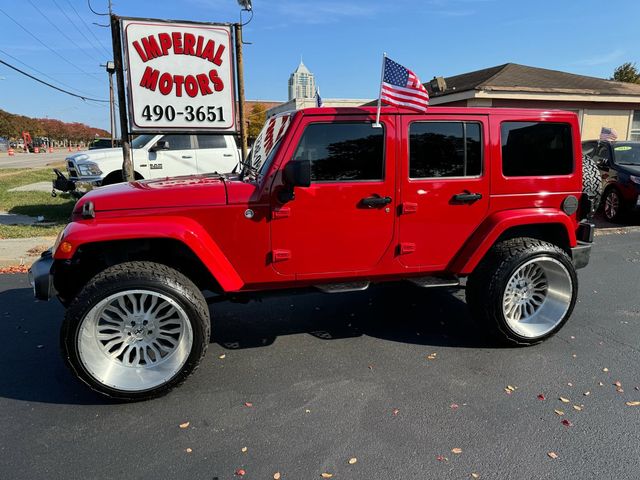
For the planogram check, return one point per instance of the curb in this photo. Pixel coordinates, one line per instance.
(616, 230)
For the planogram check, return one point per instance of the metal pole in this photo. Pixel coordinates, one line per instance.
(127, 165)
(377, 124)
(112, 114)
(240, 75)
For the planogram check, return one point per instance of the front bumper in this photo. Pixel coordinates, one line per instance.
(73, 184)
(41, 278)
(581, 253)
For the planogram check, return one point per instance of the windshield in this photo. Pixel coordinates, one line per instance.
(267, 140)
(141, 141)
(627, 153)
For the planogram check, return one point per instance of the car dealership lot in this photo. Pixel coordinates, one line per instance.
(308, 382)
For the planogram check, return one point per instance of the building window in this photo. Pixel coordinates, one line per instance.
(445, 149)
(635, 126)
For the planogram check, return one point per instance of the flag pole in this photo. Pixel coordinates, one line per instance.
(377, 124)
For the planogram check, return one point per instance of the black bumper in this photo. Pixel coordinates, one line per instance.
(581, 253)
(41, 278)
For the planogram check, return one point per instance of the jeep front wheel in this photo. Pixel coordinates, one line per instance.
(136, 330)
(524, 290)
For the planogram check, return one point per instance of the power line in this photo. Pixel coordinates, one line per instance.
(61, 32)
(47, 46)
(88, 28)
(52, 86)
(42, 73)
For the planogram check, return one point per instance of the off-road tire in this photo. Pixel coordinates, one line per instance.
(591, 183)
(486, 285)
(129, 277)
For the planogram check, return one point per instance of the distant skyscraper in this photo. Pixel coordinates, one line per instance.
(302, 83)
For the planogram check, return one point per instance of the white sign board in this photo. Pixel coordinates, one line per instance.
(180, 76)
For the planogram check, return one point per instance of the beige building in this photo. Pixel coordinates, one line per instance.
(299, 103)
(598, 102)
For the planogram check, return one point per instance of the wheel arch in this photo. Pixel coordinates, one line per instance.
(550, 225)
(111, 176)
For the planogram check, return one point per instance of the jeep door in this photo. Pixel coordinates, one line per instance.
(444, 187)
(178, 159)
(214, 153)
(343, 223)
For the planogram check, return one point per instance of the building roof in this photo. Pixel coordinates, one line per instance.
(512, 77)
(302, 68)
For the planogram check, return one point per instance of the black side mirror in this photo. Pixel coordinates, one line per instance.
(160, 145)
(297, 173)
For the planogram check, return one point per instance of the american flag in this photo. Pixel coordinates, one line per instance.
(609, 134)
(402, 88)
(272, 131)
(319, 102)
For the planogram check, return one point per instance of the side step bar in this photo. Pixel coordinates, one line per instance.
(343, 287)
(429, 282)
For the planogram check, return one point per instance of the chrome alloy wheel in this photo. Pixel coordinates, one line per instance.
(537, 297)
(612, 205)
(135, 340)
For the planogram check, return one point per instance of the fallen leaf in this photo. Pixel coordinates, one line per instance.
(244, 449)
(475, 475)
(586, 394)
(395, 412)
(567, 423)
(635, 403)
(184, 425)
(541, 396)
(605, 369)
(570, 384)
(559, 412)
(352, 460)
(370, 367)
(617, 383)
(456, 450)
(552, 455)
(306, 410)
(326, 475)
(574, 355)
(240, 472)
(248, 404)
(619, 390)
(513, 389)
(564, 400)
(188, 450)
(276, 476)
(222, 356)
(507, 391)
(432, 356)
(454, 406)
(577, 407)
(600, 384)
(442, 458)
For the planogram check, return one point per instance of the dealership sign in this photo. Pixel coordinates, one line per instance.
(180, 76)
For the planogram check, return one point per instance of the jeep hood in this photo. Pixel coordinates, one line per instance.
(179, 192)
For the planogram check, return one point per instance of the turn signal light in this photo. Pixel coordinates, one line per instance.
(66, 247)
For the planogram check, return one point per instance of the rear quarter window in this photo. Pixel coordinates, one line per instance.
(536, 149)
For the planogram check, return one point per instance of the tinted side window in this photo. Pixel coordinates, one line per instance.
(211, 141)
(536, 149)
(588, 148)
(445, 149)
(342, 151)
(178, 142)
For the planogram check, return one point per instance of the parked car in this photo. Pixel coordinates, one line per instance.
(154, 156)
(99, 143)
(619, 164)
(327, 201)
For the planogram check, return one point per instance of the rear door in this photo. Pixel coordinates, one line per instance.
(216, 153)
(444, 187)
(344, 222)
(178, 159)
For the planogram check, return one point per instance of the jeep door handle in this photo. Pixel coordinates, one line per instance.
(375, 201)
(467, 197)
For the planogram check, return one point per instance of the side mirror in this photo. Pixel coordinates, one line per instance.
(160, 145)
(297, 173)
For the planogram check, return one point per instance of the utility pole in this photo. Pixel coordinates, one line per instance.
(111, 68)
(127, 165)
(240, 71)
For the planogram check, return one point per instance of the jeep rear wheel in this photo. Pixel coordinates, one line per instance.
(524, 290)
(136, 330)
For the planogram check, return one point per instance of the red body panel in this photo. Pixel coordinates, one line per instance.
(250, 241)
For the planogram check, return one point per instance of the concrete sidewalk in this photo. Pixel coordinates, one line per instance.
(23, 251)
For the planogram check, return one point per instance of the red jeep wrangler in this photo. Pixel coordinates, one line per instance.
(327, 200)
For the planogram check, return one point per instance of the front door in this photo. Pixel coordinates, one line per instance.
(178, 159)
(444, 187)
(215, 154)
(344, 221)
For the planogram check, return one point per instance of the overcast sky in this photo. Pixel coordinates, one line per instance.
(341, 42)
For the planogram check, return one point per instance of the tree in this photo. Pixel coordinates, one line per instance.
(627, 72)
(257, 117)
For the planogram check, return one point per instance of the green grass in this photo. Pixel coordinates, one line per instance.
(54, 210)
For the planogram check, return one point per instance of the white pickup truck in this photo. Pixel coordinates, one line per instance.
(153, 156)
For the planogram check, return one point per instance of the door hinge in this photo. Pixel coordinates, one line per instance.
(283, 212)
(407, 247)
(409, 207)
(280, 255)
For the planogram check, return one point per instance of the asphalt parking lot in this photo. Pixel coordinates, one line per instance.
(396, 377)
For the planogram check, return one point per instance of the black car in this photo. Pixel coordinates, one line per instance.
(619, 164)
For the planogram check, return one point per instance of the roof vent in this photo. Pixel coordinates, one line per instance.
(438, 85)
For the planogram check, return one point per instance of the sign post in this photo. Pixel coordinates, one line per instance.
(240, 73)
